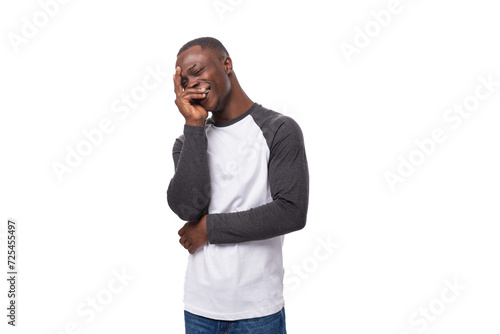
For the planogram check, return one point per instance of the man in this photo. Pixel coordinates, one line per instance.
(241, 181)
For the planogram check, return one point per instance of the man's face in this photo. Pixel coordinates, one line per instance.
(205, 69)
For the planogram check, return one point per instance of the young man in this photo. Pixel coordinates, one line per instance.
(241, 181)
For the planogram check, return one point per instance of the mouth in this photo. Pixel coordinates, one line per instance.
(204, 100)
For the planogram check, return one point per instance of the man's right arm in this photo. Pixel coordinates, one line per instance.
(188, 193)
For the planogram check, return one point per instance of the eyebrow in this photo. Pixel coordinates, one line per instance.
(191, 67)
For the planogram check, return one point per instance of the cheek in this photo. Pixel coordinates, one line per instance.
(223, 86)
(221, 81)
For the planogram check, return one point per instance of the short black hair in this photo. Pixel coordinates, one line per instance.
(205, 43)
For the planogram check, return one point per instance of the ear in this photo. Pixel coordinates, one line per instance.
(228, 64)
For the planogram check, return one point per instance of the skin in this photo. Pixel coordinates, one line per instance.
(199, 70)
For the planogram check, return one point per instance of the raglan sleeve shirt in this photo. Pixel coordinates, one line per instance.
(289, 185)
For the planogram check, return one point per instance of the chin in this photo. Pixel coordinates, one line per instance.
(215, 108)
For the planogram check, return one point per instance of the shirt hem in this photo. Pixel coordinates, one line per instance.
(235, 316)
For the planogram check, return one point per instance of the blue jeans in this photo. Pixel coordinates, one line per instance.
(270, 324)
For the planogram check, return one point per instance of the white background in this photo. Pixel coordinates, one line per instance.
(396, 248)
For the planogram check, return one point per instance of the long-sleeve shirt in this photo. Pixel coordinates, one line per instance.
(250, 175)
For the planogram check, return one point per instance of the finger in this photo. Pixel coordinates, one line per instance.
(197, 96)
(177, 81)
(191, 249)
(193, 90)
(182, 240)
(181, 232)
(193, 93)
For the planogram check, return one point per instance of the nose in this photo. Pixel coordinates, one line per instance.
(193, 83)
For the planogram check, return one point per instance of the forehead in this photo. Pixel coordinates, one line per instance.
(193, 55)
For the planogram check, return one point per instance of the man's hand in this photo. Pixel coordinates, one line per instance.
(194, 234)
(194, 114)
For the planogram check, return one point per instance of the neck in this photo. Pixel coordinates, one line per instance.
(237, 103)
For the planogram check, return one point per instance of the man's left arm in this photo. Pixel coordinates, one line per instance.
(289, 184)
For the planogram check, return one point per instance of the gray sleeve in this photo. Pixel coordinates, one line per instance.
(289, 183)
(188, 193)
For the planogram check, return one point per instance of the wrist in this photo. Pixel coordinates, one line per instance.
(198, 122)
(203, 222)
